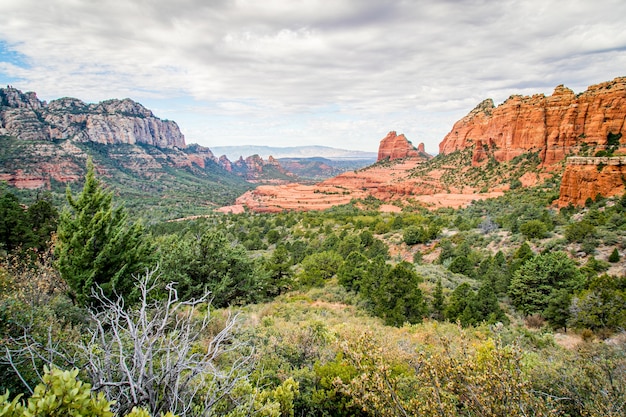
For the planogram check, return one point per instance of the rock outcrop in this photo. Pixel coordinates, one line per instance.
(396, 147)
(23, 116)
(390, 180)
(555, 126)
(256, 170)
(586, 177)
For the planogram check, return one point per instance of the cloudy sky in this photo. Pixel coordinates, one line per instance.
(339, 73)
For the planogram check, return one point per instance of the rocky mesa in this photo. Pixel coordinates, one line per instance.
(395, 146)
(554, 126)
(24, 116)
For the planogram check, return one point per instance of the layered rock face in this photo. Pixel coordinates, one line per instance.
(587, 177)
(555, 126)
(110, 122)
(396, 147)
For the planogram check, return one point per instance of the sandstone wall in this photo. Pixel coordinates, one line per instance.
(587, 177)
(555, 126)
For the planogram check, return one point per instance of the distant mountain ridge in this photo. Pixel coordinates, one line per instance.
(24, 116)
(145, 159)
(234, 152)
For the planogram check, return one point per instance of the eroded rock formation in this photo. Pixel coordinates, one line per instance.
(23, 116)
(586, 177)
(554, 126)
(395, 146)
(256, 170)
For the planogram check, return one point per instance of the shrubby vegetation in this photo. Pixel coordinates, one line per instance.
(346, 312)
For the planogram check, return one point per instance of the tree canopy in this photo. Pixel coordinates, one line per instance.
(97, 245)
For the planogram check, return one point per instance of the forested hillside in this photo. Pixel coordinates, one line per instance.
(509, 307)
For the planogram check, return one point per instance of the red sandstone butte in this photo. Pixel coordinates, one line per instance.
(396, 147)
(555, 126)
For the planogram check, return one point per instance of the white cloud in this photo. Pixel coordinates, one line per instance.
(269, 71)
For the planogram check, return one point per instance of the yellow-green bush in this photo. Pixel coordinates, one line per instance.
(61, 393)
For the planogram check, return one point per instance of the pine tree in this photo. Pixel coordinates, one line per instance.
(97, 245)
(14, 230)
(438, 301)
(399, 298)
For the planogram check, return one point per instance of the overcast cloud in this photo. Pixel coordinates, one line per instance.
(339, 73)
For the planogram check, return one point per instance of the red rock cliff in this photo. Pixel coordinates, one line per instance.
(587, 177)
(555, 126)
(396, 147)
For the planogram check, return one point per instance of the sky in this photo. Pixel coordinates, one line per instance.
(340, 73)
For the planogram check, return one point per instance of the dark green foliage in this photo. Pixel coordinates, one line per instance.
(578, 231)
(537, 281)
(485, 307)
(533, 229)
(97, 245)
(497, 273)
(601, 305)
(420, 234)
(614, 256)
(211, 262)
(472, 308)
(398, 299)
(446, 250)
(612, 144)
(273, 236)
(26, 228)
(458, 301)
(280, 276)
(14, 230)
(42, 218)
(353, 271)
(521, 255)
(438, 303)
(558, 310)
(319, 267)
(350, 243)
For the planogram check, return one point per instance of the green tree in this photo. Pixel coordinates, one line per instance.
(399, 298)
(319, 267)
(601, 305)
(209, 261)
(438, 304)
(353, 270)
(14, 229)
(458, 301)
(280, 277)
(578, 231)
(43, 219)
(614, 256)
(558, 310)
(533, 229)
(97, 245)
(485, 307)
(537, 281)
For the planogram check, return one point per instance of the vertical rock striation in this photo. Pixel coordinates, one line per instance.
(555, 126)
